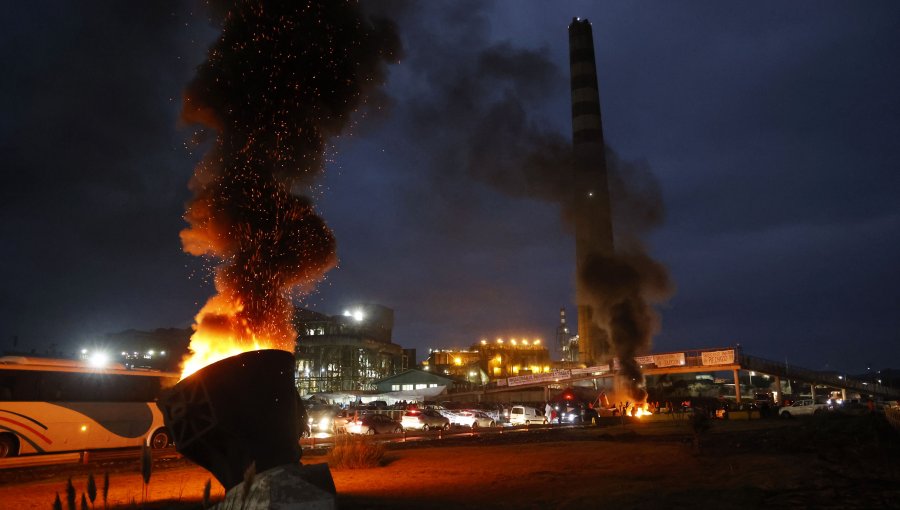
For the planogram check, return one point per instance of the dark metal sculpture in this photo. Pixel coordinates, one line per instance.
(236, 412)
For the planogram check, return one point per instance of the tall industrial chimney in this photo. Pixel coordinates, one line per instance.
(592, 216)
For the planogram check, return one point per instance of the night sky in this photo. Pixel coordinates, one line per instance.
(773, 131)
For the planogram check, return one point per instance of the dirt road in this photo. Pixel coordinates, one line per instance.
(804, 463)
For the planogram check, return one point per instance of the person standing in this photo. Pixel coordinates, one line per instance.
(548, 412)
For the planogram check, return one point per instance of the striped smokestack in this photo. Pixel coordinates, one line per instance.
(592, 216)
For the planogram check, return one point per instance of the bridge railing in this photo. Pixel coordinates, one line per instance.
(813, 376)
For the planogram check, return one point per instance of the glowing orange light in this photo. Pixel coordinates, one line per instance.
(221, 333)
(642, 410)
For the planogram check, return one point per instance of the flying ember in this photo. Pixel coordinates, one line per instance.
(282, 79)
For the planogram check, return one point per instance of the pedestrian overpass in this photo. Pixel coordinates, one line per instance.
(719, 360)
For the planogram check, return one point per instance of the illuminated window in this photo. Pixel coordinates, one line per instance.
(421, 386)
(395, 387)
(407, 387)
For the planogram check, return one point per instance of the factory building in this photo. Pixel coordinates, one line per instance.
(489, 360)
(413, 380)
(347, 352)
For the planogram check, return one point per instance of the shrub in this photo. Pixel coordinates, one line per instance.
(355, 453)
(893, 417)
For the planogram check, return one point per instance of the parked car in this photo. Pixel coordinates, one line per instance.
(344, 417)
(321, 418)
(853, 408)
(803, 407)
(581, 414)
(374, 424)
(524, 415)
(427, 419)
(377, 405)
(474, 419)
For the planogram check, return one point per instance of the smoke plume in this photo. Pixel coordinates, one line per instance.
(489, 104)
(282, 79)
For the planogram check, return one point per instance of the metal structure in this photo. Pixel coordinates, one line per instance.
(565, 341)
(714, 360)
(240, 411)
(347, 352)
(592, 214)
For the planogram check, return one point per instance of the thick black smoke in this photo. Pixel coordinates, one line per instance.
(482, 111)
(283, 78)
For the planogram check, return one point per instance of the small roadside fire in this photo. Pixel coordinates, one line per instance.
(641, 410)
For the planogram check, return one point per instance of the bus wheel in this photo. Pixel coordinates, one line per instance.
(9, 445)
(160, 439)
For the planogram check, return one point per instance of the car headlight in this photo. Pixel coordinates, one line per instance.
(324, 423)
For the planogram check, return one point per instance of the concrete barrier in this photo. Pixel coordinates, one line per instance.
(40, 460)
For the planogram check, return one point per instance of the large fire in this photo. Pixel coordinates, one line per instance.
(210, 344)
(281, 81)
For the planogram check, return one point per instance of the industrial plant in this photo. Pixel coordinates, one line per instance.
(347, 352)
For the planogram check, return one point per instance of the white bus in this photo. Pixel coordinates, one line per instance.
(52, 405)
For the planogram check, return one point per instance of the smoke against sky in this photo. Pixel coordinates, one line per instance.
(771, 127)
(282, 80)
(489, 134)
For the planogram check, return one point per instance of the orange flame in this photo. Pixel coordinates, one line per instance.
(219, 333)
(642, 410)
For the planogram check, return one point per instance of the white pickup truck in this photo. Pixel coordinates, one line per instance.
(804, 407)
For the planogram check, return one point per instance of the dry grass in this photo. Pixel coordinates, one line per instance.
(355, 453)
(893, 417)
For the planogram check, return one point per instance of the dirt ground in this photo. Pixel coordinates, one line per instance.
(832, 462)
